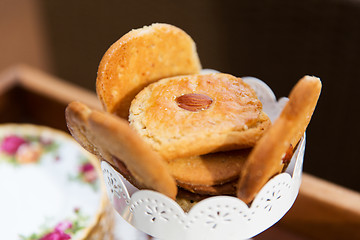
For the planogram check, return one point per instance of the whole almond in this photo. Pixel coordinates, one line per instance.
(194, 102)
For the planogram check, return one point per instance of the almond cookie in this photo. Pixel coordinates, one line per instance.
(193, 115)
(265, 160)
(107, 135)
(139, 58)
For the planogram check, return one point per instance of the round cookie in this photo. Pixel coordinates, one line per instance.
(228, 188)
(210, 169)
(107, 135)
(139, 58)
(265, 160)
(193, 115)
(77, 115)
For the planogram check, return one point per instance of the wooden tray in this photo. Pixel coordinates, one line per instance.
(28, 95)
(323, 210)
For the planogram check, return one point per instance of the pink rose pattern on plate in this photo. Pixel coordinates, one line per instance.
(26, 149)
(29, 149)
(11, 144)
(86, 173)
(62, 231)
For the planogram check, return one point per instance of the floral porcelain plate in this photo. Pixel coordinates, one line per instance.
(49, 186)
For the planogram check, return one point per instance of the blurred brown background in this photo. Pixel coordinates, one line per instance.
(276, 41)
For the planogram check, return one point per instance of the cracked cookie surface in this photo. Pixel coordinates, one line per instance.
(217, 112)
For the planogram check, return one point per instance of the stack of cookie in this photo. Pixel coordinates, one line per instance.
(169, 128)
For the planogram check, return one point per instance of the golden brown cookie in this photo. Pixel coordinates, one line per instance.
(101, 133)
(266, 158)
(210, 169)
(124, 171)
(77, 115)
(193, 115)
(139, 58)
(228, 188)
(121, 141)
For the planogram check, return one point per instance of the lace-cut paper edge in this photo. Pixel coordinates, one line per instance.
(215, 217)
